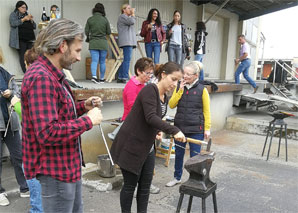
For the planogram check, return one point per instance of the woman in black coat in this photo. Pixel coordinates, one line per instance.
(133, 148)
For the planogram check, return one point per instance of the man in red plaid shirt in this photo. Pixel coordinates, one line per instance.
(51, 123)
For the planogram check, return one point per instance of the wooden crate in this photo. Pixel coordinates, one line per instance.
(109, 65)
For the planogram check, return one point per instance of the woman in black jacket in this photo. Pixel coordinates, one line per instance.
(133, 147)
(200, 45)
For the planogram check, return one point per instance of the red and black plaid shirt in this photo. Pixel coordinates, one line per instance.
(50, 130)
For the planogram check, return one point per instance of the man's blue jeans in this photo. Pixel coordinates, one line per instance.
(244, 68)
(35, 196)
(179, 153)
(153, 47)
(175, 53)
(199, 57)
(98, 55)
(124, 68)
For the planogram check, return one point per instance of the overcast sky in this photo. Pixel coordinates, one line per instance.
(281, 32)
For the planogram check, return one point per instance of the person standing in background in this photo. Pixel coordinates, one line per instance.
(177, 39)
(9, 131)
(126, 39)
(245, 62)
(54, 12)
(154, 35)
(52, 122)
(96, 29)
(22, 29)
(200, 45)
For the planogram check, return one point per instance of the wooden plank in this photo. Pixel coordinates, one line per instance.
(106, 94)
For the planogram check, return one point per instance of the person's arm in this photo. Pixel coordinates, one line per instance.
(127, 20)
(15, 90)
(163, 33)
(169, 31)
(206, 110)
(14, 20)
(43, 109)
(175, 98)
(148, 98)
(144, 29)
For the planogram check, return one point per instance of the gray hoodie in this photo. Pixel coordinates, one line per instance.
(126, 31)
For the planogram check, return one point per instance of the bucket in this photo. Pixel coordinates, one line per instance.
(105, 167)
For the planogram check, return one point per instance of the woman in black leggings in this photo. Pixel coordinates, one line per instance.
(133, 147)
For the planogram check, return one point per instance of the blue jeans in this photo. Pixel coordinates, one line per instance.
(153, 47)
(179, 153)
(124, 68)
(58, 196)
(244, 68)
(98, 55)
(199, 57)
(175, 53)
(35, 196)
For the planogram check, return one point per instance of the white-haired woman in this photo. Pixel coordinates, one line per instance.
(192, 116)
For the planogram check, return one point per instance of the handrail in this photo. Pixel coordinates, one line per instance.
(286, 69)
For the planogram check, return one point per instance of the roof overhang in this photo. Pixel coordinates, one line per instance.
(247, 9)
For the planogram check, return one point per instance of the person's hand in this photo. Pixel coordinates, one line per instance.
(92, 102)
(207, 134)
(189, 48)
(170, 31)
(14, 100)
(95, 116)
(182, 84)
(30, 17)
(180, 137)
(159, 136)
(237, 61)
(7, 93)
(149, 26)
(133, 10)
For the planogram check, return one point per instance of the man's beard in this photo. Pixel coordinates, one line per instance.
(65, 61)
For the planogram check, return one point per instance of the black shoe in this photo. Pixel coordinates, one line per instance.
(102, 80)
(95, 80)
(123, 81)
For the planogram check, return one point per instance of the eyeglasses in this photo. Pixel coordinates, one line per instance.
(148, 73)
(189, 74)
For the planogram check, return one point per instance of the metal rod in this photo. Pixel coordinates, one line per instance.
(105, 142)
(12, 108)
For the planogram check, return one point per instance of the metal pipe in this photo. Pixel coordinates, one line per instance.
(105, 142)
(221, 6)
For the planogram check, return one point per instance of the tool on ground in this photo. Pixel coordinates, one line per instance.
(10, 114)
(199, 183)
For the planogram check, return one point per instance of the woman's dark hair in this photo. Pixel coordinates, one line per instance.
(167, 68)
(99, 8)
(176, 11)
(142, 64)
(149, 17)
(20, 4)
(201, 26)
(54, 6)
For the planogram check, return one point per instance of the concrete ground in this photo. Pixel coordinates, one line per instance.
(246, 181)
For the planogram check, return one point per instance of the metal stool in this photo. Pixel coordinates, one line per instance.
(271, 128)
(199, 183)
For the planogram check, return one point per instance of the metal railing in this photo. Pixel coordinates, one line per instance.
(287, 68)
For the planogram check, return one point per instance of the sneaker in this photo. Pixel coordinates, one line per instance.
(102, 80)
(95, 80)
(255, 89)
(173, 182)
(123, 81)
(154, 189)
(25, 194)
(3, 199)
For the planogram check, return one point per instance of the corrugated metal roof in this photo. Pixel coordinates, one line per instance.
(247, 9)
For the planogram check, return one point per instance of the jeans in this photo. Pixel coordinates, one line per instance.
(179, 153)
(143, 180)
(98, 55)
(244, 68)
(24, 46)
(58, 196)
(153, 47)
(13, 143)
(35, 196)
(124, 68)
(175, 53)
(199, 57)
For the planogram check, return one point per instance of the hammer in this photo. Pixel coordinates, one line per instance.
(199, 142)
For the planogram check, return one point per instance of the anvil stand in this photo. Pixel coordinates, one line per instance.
(199, 183)
(271, 128)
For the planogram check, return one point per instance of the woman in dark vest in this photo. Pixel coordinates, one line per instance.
(22, 29)
(133, 147)
(192, 116)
